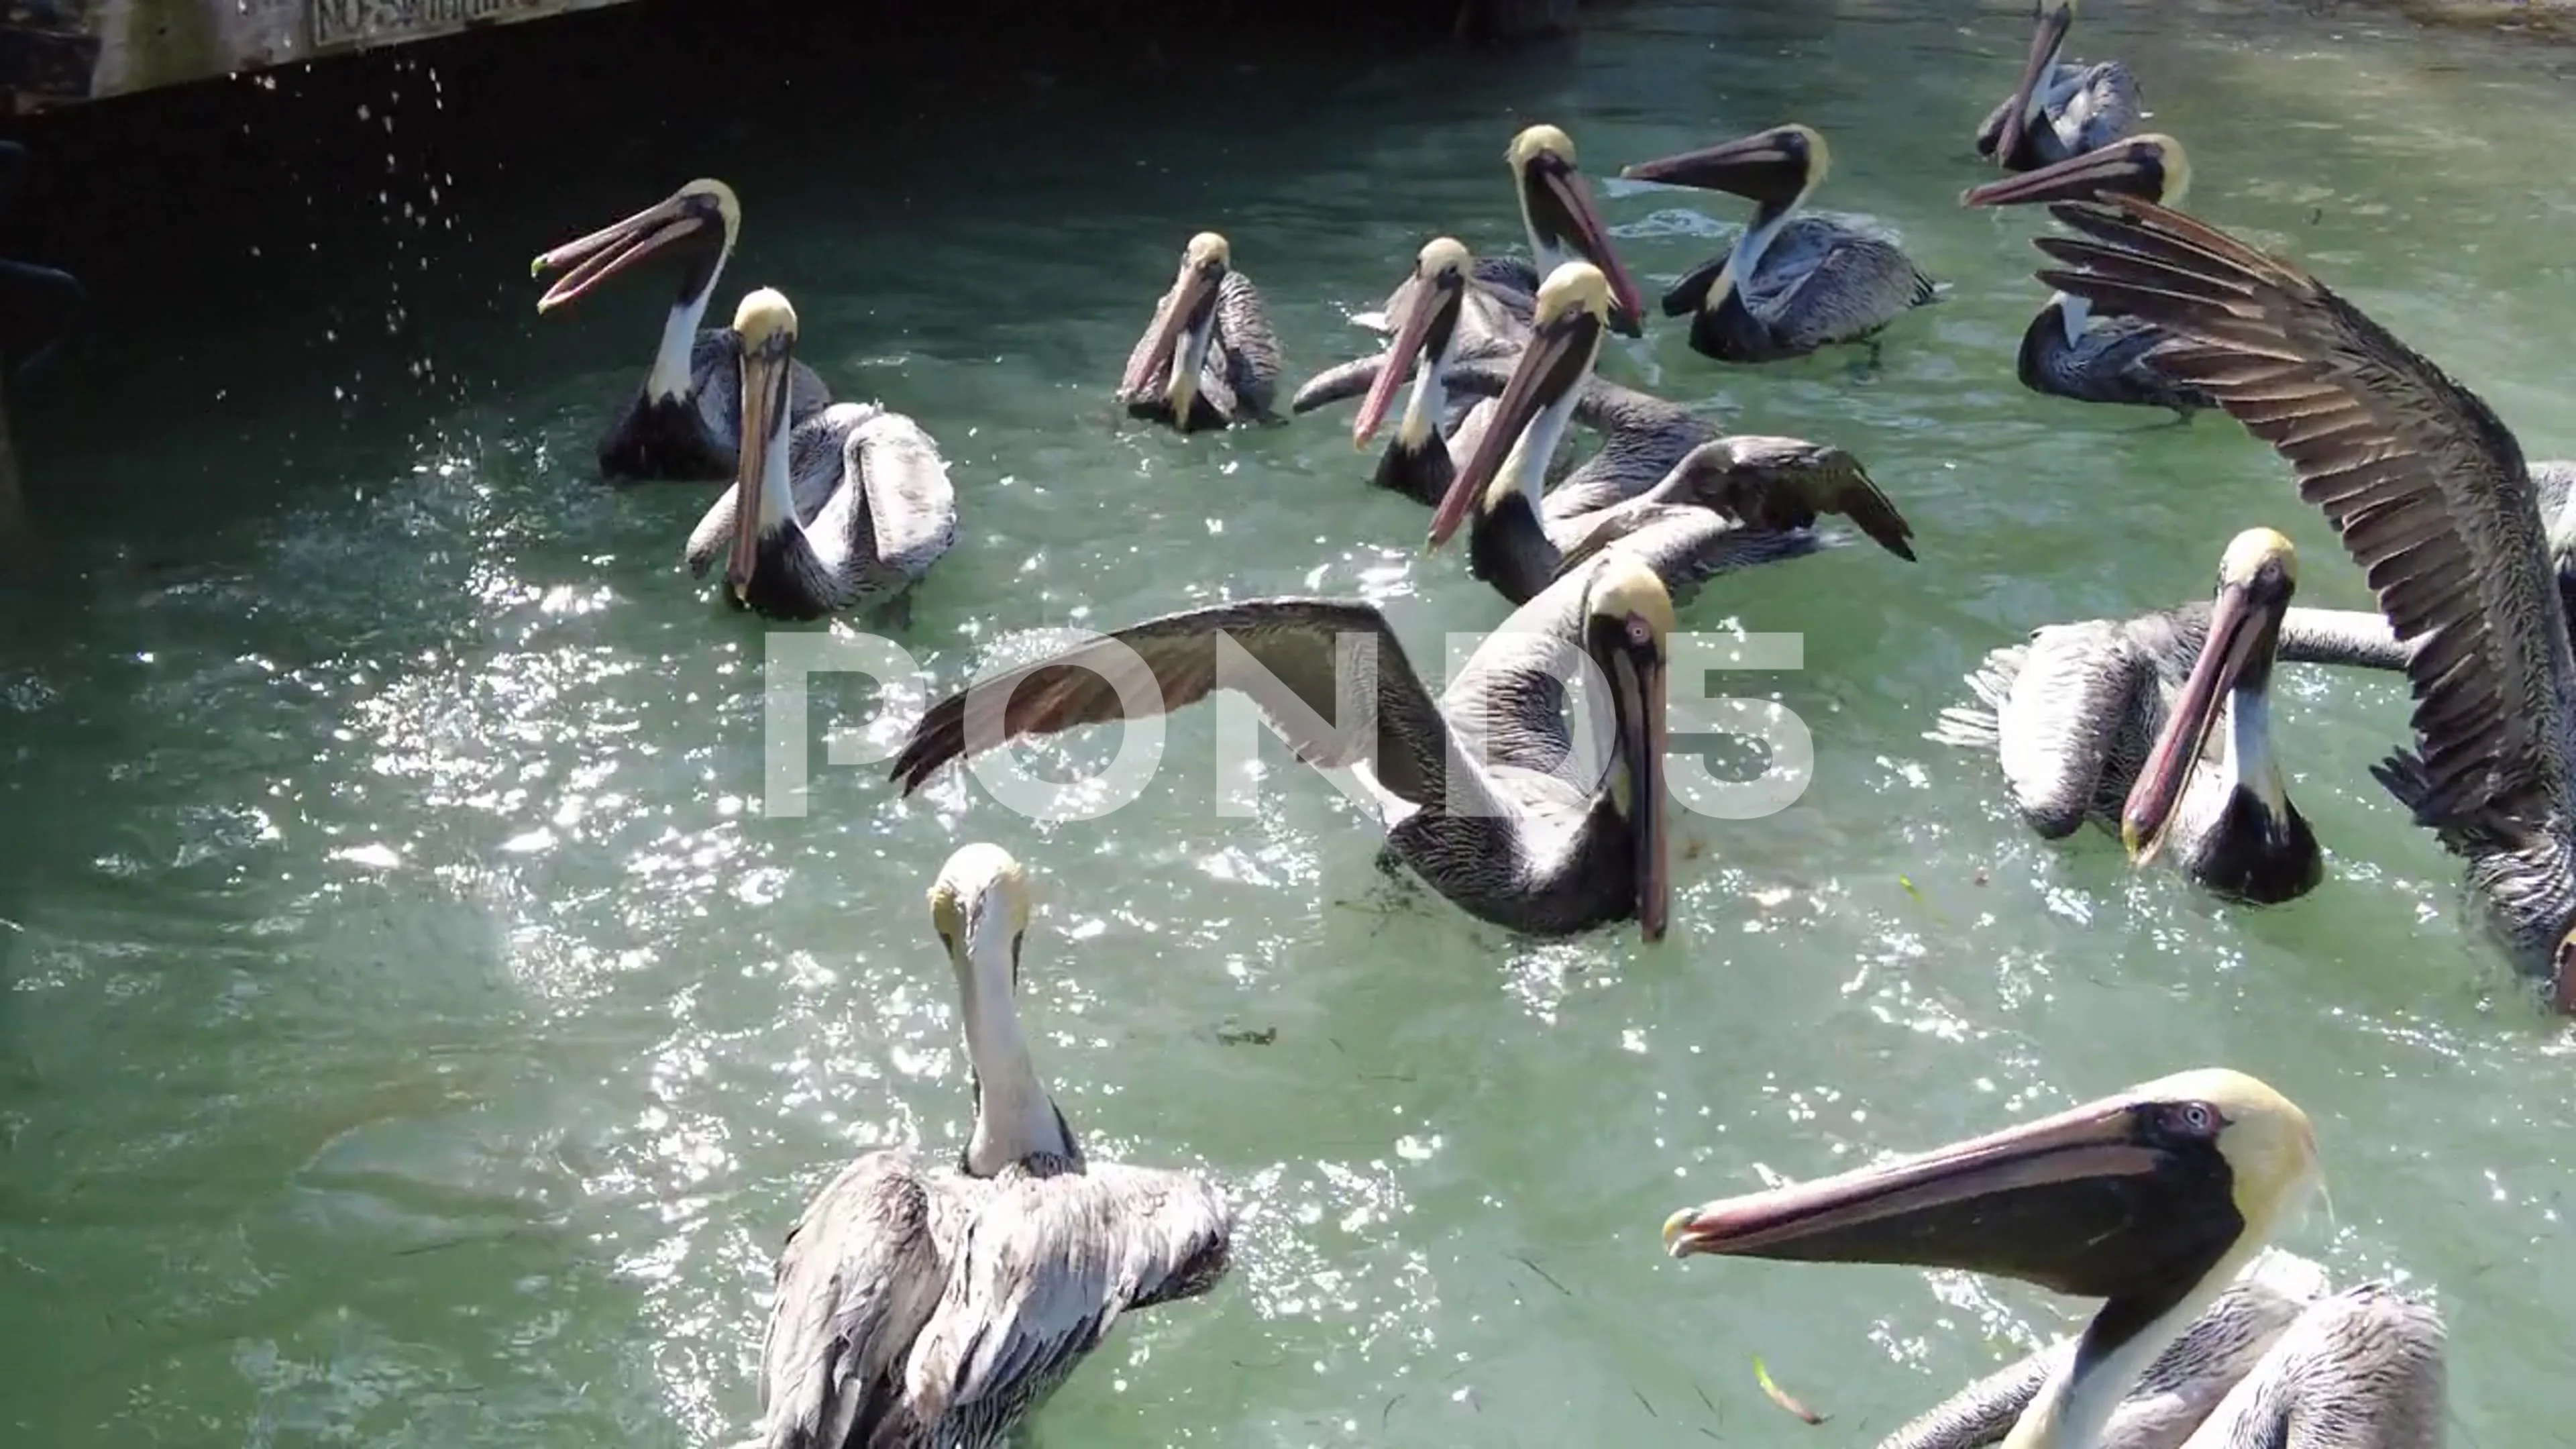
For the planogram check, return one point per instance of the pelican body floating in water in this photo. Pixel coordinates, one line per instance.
(1792, 283)
(1483, 793)
(920, 1308)
(684, 423)
(2114, 720)
(1562, 225)
(2430, 494)
(848, 511)
(1770, 490)
(2061, 108)
(2154, 1200)
(2067, 351)
(1209, 358)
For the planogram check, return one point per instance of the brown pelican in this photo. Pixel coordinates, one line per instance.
(1431, 322)
(683, 422)
(1792, 283)
(2112, 719)
(1770, 489)
(927, 1308)
(2060, 108)
(1482, 793)
(2430, 494)
(2066, 351)
(1209, 358)
(848, 511)
(2154, 1200)
(1558, 216)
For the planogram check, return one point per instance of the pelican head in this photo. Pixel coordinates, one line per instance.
(701, 220)
(1556, 208)
(1425, 323)
(1566, 329)
(766, 326)
(1627, 630)
(2256, 578)
(2152, 1199)
(979, 905)
(2029, 103)
(2153, 166)
(1188, 323)
(1770, 168)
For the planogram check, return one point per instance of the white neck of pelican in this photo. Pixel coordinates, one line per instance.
(1745, 258)
(1014, 1117)
(672, 377)
(2073, 1409)
(2250, 762)
(777, 494)
(1525, 467)
(1430, 398)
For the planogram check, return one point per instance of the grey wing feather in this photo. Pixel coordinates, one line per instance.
(2060, 721)
(2361, 638)
(1825, 282)
(2363, 1369)
(1253, 358)
(1048, 1265)
(2425, 485)
(858, 1277)
(2105, 106)
(911, 507)
(1295, 642)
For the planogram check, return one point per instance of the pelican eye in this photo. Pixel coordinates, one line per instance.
(2190, 1119)
(1640, 633)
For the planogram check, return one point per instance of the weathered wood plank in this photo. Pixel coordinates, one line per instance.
(56, 52)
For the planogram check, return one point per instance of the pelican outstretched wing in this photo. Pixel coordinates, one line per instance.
(1295, 642)
(1046, 1267)
(2423, 482)
(912, 509)
(857, 1279)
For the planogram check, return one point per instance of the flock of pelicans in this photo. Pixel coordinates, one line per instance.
(919, 1307)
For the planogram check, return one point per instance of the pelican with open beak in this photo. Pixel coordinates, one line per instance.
(848, 511)
(2067, 351)
(2233, 824)
(2154, 1200)
(1791, 283)
(683, 423)
(1209, 359)
(2060, 108)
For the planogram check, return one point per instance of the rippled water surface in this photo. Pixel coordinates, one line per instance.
(414, 1032)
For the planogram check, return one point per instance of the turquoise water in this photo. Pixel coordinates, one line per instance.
(415, 1033)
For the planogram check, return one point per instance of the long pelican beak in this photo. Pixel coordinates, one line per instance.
(604, 253)
(2244, 629)
(2137, 166)
(1427, 318)
(1560, 206)
(1556, 362)
(1192, 308)
(765, 379)
(1637, 673)
(1770, 167)
(2128, 1197)
(2044, 44)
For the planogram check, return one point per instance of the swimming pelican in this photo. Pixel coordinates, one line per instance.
(1791, 284)
(2430, 494)
(848, 511)
(1770, 489)
(2060, 108)
(683, 423)
(2067, 351)
(1558, 217)
(2112, 719)
(1432, 323)
(1481, 792)
(931, 1308)
(2155, 1200)
(1209, 358)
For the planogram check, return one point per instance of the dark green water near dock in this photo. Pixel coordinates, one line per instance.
(413, 1033)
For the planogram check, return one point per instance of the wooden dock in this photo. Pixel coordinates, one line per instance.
(61, 52)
